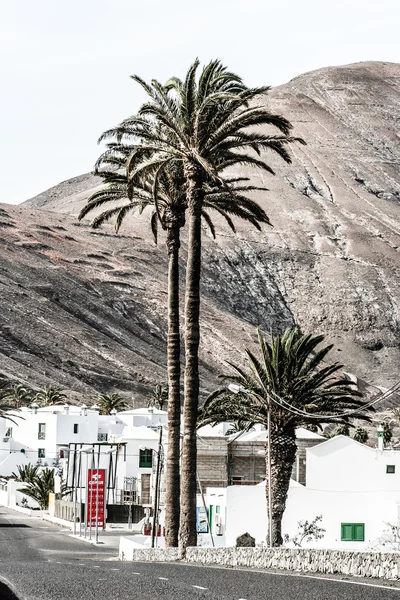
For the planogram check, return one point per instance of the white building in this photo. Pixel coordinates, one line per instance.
(44, 434)
(355, 488)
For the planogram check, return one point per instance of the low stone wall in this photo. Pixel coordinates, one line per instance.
(128, 550)
(380, 565)
(383, 565)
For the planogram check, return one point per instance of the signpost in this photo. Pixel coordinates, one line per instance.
(96, 497)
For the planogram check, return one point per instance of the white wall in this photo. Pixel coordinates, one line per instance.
(343, 464)
(59, 431)
(247, 512)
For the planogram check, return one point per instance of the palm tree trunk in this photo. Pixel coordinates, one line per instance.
(172, 498)
(283, 455)
(188, 534)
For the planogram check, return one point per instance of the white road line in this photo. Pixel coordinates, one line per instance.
(164, 578)
(135, 573)
(304, 576)
(114, 569)
(199, 587)
(96, 567)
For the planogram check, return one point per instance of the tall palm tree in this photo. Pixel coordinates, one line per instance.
(50, 395)
(290, 381)
(202, 123)
(110, 402)
(169, 206)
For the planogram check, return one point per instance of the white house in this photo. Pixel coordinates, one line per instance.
(355, 488)
(43, 434)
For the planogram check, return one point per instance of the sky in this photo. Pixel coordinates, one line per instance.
(65, 66)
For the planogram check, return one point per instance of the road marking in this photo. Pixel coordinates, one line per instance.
(96, 567)
(199, 587)
(135, 573)
(114, 569)
(304, 576)
(164, 578)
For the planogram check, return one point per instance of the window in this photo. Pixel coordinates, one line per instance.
(146, 458)
(76, 427)
(237, 480)
(352, 532)
(390, 469)
(42, 431)
(41, 453)
(102, 437)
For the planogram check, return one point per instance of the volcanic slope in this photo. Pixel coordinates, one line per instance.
(86, 309)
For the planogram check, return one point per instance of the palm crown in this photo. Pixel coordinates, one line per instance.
(203, 123)
(288, 386)
(291, 381)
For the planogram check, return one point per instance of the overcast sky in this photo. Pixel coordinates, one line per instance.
(65, 66)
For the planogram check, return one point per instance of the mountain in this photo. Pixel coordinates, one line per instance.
(86, 310)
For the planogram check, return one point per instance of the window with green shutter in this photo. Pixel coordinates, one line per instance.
(145, 458)
(352, 532)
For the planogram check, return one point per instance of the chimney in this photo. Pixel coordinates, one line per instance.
(379, 432)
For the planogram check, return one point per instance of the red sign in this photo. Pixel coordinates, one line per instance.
(96, 497)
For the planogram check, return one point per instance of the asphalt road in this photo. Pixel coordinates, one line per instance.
(40, 561)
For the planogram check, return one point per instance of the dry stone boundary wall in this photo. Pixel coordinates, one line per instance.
(382, 565)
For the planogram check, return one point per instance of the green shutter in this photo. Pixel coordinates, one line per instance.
(358, 532)
(347, 532)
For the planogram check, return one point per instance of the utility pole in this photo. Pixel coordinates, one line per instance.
(156, 493)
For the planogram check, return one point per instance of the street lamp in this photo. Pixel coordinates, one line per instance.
(236, 389)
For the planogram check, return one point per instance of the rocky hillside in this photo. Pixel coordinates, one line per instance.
(85, 309)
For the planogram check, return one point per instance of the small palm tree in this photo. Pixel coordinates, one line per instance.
(289, 382)
(17, 395)
(26, 473)
(387, 432)
(40, 487)
(50, 395)
(158, 397)
(343, 429)
(110, 402)
(361, 435)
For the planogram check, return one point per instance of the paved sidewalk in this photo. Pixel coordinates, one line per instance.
(107, 539)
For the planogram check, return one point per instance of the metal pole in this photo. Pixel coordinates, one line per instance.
(91, 498)
(155, 514)
(74, 488)
(205, 508)
(87, 493)
(129, 481)
(80, 493)
(96, 540)
(269, 479)
(75, 491)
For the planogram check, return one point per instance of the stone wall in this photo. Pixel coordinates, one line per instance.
(384, 565)
(380, 565)
(128, 551)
